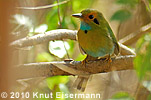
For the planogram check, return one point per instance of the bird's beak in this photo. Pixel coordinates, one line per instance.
(79, 15)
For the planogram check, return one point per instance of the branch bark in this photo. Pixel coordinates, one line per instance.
(47, 69)
(59, 34)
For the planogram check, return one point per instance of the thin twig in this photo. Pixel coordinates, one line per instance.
(43, 7)
(60, 26)
(133, 37)
(125, 50)
(59, 16)
(148, 6)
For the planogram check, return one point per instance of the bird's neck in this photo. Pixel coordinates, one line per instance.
(84, 26)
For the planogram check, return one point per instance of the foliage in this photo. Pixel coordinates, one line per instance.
(121, 96)
(149, 97)
(124, 13)
(44, 57)
(130, 3)
(121, 15)
(57, 84)
(80, 57)
(142, 61)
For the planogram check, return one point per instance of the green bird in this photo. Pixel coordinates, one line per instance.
(96, 39)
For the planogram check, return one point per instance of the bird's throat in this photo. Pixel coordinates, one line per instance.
(84, 26)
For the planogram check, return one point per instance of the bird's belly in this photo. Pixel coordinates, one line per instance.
(95, 45)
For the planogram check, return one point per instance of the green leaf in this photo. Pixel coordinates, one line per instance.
(79, 5)
(71, 44)
(52, 19)
(131, 3)
(80, 57)
(121, 96)
(149, 97)
(121, 15)
(44, 57)
(56, 80)
(138, 62)
(58, 84)
(142, 61)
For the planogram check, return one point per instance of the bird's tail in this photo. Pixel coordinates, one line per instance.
(81, 82)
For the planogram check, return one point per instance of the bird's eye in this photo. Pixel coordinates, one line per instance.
(91, 16)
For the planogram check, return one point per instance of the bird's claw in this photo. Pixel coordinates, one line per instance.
(108, 59)
(84, 62)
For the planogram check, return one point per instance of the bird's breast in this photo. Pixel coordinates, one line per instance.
(95, 43)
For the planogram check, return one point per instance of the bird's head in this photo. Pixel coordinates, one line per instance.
(90, 16)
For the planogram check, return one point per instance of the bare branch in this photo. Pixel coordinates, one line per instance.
(47, 69)
(59, 34)
(43, 7)
(125, 50)
(133, 37)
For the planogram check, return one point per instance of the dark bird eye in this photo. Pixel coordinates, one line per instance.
(91, 16)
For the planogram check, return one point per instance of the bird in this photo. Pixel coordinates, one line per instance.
(96, 39)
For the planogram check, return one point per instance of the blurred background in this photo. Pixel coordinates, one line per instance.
(125, 18)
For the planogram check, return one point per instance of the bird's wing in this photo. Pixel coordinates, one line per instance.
(81, 50)
(111, 34)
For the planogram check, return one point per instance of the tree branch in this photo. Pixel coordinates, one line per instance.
(43, 7)
(58, 34)
(133, 37)
(47, 69)
(125, 50)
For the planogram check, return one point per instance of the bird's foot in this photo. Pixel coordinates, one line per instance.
(108, 59)
(84, 62)
(88, 59)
